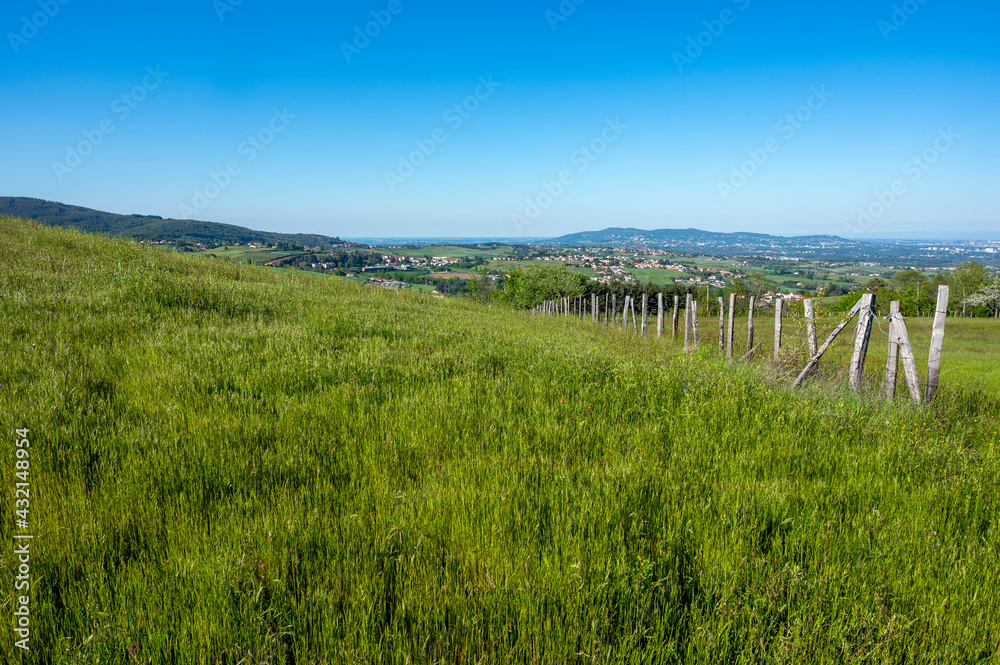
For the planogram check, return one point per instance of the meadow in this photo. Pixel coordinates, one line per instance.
(232, 464)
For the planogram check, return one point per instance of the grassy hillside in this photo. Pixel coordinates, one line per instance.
(231, 464)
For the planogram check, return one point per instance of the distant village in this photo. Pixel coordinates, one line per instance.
(388, 269)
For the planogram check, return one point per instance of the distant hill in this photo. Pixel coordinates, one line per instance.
(730, 244)
(697, 240)
(149, 227)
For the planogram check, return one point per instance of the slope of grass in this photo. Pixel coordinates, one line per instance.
(232, 464)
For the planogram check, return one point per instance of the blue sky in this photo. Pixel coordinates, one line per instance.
(588, 118)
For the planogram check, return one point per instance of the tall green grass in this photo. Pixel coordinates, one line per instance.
(236, 465)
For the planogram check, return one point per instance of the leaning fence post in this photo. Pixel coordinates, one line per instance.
(628, 299)
(753, 301)
(892, 366)
(732, 325)
(863, 336)
(810, 326)
(814, 361)
(631, 308)
(906, 355)
(937, 343)
(659, 315)
(614, 309)
(645, 311)
(751, 352)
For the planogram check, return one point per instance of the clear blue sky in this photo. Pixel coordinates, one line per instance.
(682, 127)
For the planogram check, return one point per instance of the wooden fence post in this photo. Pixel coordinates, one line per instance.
(694, 322)
(751, 352)
(892, 366)
(826, 345)
(779, 307)
(906, 355)
(659, 315)
(811, 326)
(607, 314)
(687, 321)
(625, 312)
(722, 325)
(677, 305)
(645, 311)
(937, 343)
(732, 326)
(753, 302)
(631, 308)
(863, 336)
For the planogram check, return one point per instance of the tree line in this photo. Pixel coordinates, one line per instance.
(974, 291)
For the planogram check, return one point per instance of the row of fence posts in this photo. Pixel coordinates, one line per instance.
(900, 349)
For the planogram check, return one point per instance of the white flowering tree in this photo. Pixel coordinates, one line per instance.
(988, 296)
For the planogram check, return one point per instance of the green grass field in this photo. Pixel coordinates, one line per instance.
(244, 254)
(231, 464)
(660, 277)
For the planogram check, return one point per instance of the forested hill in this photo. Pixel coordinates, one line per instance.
(149, 227)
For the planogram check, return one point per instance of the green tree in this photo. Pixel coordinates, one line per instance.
(536, 284)
(482, 285)
(908, 285)
(751, 285)
(968, 278)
